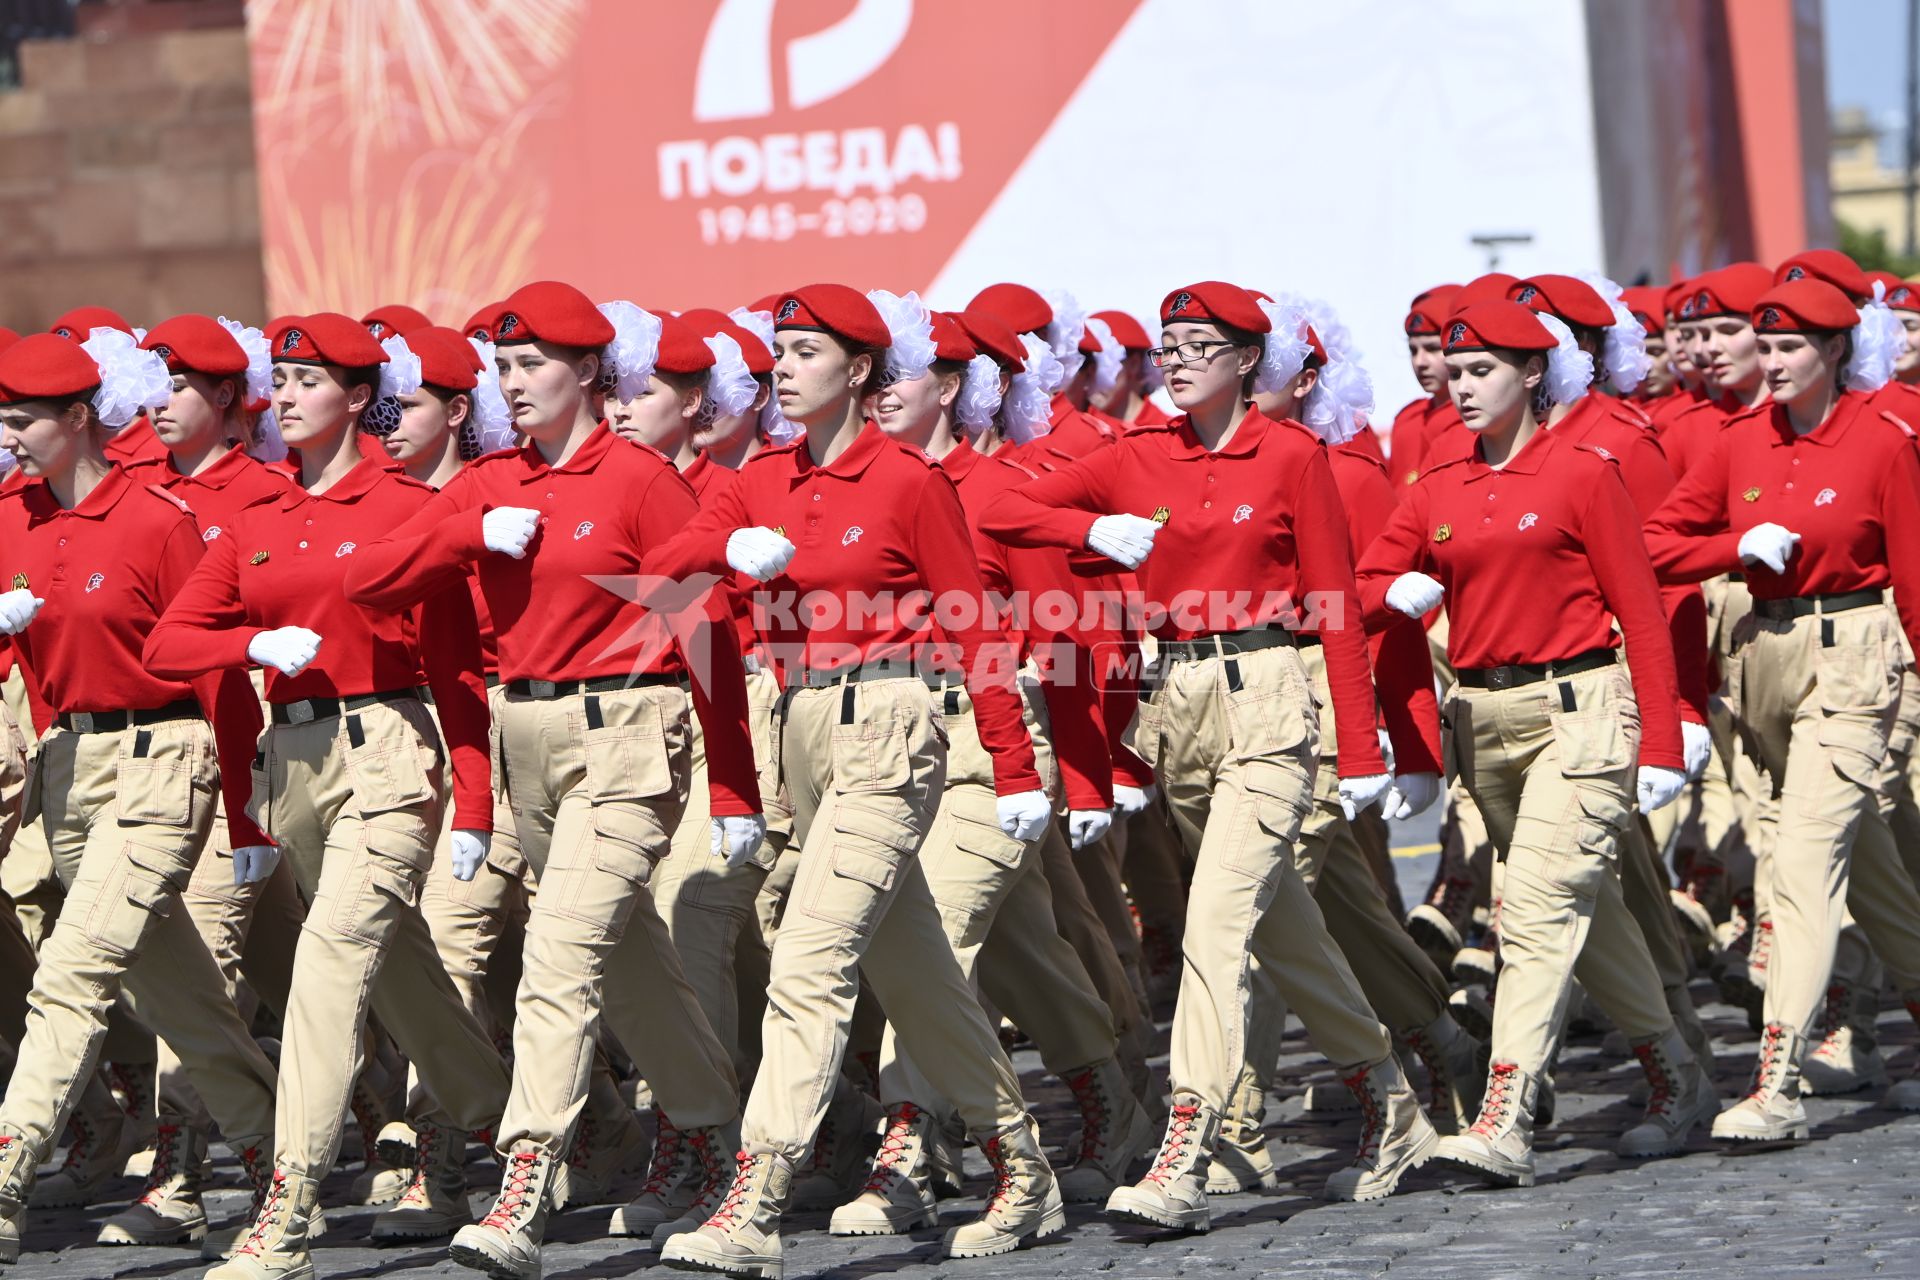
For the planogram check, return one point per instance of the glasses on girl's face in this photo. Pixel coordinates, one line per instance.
(1189, 352)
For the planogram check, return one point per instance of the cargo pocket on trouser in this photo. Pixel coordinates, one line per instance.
(1271, 718)
(1856, 747)
(389, 757)
(872, 839)
(385, 879)
(162, 773)
(628, 755)
(1593, 849)
(141, 888)
(872, 756)
(1600, 737)
(1277, 797)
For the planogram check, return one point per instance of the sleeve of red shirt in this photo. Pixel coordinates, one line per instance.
(450, 651)
(700, 546)
(1399, 548)
(431, 549)
(1900, 527)
(1058, 508)
(718, 675)
(1326, 575)
(205, 627)
(944, 552)
(1402, 663)
(1687, 538)
(1626, 582)
(1649, 480)
(226, 697)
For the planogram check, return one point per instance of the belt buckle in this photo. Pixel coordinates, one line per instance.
(300, 712)
(82, 721)
(1500, 678)
(751, 663)
(542, 688)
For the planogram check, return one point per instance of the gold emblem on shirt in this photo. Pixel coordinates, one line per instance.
(780, 529)
(1752, 495)
(1161, 515)
(258, 557)
(1444, 532)
(19, 582)
(1413, 477)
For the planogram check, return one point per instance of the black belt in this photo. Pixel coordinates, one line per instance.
(115, 721)
(1801, 606)
(877, 669)
(308, 710)
(599, 684)
(1524, 673)
(1225, 644)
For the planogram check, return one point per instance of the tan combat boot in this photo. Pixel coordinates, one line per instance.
(1456, 1066)
(1241, 1161)
(713, 1150)
(101, 1142)
(378, 1182)
(1847, 1059)
(839, 1148)
(1174, 1191)
(435, 1202)
(603, 1145)
(16, 1182)
(1771, 1111)
(1024, 1204)
(898, 1197)
(1680, 1095)
(168, 1209)
(1114, 1131)
(1396, 1137)
(742, 1238)
(506, 1243)
(276, 1245)
(256, 1164)
(1499, 1144)
(669, 1185)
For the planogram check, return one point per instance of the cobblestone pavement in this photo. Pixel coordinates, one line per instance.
(1842, 1205)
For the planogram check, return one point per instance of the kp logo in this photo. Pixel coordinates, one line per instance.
(1529, 520)
(851, 536)
(1242, 513)
(1457, 334)
(1770, 318)
(585, 528)
(1796, 273)
(290, 341)
(787, 310)
(1824, 498)
(1527, 294)
(735, 80)
(95, 582)
(344, 549)
(1179, 304)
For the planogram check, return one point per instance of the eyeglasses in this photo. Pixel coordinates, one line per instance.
(1189, 352)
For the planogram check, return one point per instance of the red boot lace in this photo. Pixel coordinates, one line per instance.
(522, 1172)
(1762, 947)
(1093, 1114)
(722, 1219)
(1370, 1116)
(1773, 1042)
(582, 1150)
(259, 1177)
(83, 1137)
(363, 1113)
(276, 1199)
(1833, 1016)
(1493, 1111)
(1002, 1174)
(1180, 1126)
(894, 1148)
(714, 1178)
(166, 1140)
(1439, 1094)
(664, 1167)
(823, 1147)
(424, 1138)
(1659, 1083)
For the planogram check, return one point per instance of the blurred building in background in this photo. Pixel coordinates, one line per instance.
(284, 155)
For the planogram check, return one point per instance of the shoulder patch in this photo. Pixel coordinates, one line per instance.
(1897, 421)
(170, 497)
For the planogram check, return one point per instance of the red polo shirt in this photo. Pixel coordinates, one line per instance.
(219, 493)
(1538, 558)
(284, 564)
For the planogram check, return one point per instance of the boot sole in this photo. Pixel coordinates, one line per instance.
(886, 1227)
(617, 1225)
(1789, 1133)
(114, 1234)
(480, 1260)
(1501, 1175)
(758, 1270)
(425, 1231)
(1051, 1222)
(1198, 1221)
(1381, 1190)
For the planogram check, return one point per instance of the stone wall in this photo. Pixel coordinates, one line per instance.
(127, 179)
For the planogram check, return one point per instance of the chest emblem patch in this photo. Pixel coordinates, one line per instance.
(258, 557)
(851, 536)
(1444, 532)
(1751, 495)
(19, 582)
(1242, 513)
(585, 528)
(1529, 520)
(344, 549)
(1161, 515)
(95, 581)
(1824, 498)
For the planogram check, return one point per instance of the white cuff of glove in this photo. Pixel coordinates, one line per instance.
(508, 530)
(1412, 793)
(759, 553)
(1363, 792)
(1696, 744)
(1126, 539)
(1414, 594)
(737, 838)
(1086, 826)
(1657, 786)
(1128, 801)
(253, 863)
(1024, 815)
(1768, 544)
(469, 851)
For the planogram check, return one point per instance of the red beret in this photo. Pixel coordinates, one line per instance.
(1491, 287)
(549, 311)
(199, 344)
(1021, 309)
(325, 337)
(1214, 302)
(766, 304)
(394, 318)
(994, 338)
(1501, 325)
(835, 309)
(1574, 301)
(682, 349)
(480, 323)
(7, 337)
(82, 321)
(1428, 311)
(447, 360)
(1730, 291)
(1901, 295)
(1831, 265)
(709, 323)
(951, 341)
(1805, 305)
(1674, 296)
(1647, 303)
(1128, 332)
(45, 366)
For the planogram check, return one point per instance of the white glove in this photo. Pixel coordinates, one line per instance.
(759, 553)
(1768, 544)
(1086, 826)
(1696, 743)
(17, 609)
(1414, 594)
(508, 530)
(1025, 814)
(1412, 793)
(1658, 786)
(1361, 793)
(738, 838)
(1124, 538)
(1128, 801)
(1386, 747)
(287, 650)
(253, 863)
(469, 851)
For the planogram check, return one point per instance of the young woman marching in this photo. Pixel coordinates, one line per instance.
(349, 775)
(1543, 724)
(123, 783)
(864, 758)
(1236, 508)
